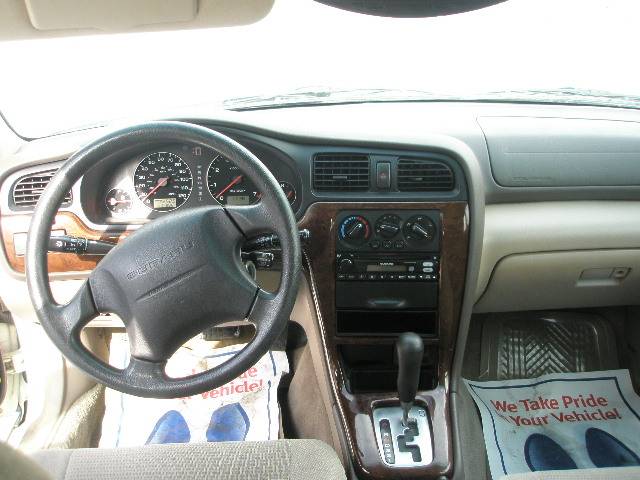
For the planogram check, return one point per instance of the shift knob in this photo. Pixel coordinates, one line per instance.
(410, 349)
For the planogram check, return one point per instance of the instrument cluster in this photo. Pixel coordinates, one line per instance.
(182, 176)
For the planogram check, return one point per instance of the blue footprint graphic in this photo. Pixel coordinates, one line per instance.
(170, 428)
(543, 453)
(228, 424)
(605, 450)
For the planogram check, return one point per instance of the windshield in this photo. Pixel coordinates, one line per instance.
(559, 50)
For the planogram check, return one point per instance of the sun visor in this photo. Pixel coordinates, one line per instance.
(23, 19)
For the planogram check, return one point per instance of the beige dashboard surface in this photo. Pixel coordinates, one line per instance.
(559, 254)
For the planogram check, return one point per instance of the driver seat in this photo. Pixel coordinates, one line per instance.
(279, 459)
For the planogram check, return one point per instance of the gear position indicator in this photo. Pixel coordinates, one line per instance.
(400, 446)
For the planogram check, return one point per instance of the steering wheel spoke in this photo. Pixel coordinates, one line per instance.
(76, 313)
(252, 219)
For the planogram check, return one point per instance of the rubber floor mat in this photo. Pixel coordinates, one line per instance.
(527, 345)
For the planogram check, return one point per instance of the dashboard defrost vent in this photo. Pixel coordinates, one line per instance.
(341, 172)
(27, 190)
(415, 175)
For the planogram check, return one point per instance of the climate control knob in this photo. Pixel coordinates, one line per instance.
(388, 225)
(419, 228)
(355, 229)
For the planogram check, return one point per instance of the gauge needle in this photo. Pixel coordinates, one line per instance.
(161, 183)
(113, 201)
(235, 181)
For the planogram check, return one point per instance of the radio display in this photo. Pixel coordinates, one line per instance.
(386, 268)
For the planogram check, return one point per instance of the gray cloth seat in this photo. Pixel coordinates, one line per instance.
(280, 459)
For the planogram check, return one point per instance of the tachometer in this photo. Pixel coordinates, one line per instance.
(229, 185)
(163, 181)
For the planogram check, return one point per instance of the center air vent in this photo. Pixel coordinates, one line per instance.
(415, 175)
(27, 190)
(340, 172)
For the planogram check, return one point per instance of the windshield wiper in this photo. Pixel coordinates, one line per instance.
(572, 96)
(327, 96)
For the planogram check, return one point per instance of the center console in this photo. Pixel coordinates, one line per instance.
(376, 274)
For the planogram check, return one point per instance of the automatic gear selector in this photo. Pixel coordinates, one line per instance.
(402, 431)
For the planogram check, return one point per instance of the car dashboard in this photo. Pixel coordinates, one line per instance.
(419, 215)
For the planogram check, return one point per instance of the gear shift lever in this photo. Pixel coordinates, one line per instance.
(409, 348)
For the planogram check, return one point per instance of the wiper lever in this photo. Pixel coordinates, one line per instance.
(272, 241)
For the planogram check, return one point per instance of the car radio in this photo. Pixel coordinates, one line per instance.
(362, 267)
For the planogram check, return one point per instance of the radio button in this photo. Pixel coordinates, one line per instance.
(342, 276)
(393, 276)
(427, 264)
(402, 277)
(372, 276)
(362, 276)
(427, 270)
(412, 277)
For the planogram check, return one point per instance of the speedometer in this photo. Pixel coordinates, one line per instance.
(163, 181)
(229, 185)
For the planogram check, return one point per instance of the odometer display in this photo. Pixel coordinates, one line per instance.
(163, 181)
(229, 185)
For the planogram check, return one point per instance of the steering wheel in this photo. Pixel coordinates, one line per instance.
(174, 276)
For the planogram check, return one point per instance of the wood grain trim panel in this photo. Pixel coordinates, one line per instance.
(355, 410)
(58, 262)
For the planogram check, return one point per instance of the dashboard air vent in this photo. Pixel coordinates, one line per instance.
(27, 190)
(415, 175)
(341, 172)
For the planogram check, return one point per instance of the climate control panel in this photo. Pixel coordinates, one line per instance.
(384, 231)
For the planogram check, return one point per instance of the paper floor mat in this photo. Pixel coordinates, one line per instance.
(244, 409)
(559, 422)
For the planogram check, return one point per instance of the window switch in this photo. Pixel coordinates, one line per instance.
(383, 175)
